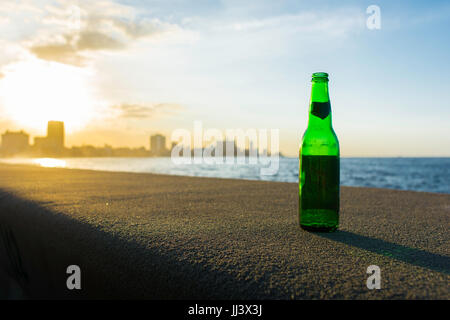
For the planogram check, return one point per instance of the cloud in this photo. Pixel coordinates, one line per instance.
(92, 40)
(71, 32)
(142, 28)
(69, 51)
(63, 53)
(336, 22)
(138, 111)
(4, 20)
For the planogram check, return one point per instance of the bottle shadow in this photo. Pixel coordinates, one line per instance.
(417, 257)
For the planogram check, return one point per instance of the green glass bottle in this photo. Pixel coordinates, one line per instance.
(319, 163)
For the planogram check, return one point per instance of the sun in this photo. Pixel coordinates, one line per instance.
(33, 92)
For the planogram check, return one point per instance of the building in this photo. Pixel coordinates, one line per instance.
(229, 148)
(15, 142)
(55, 134)
(53, 143)
(158, 145)
(41, 144)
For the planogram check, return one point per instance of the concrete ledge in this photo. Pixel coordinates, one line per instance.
(166, 237)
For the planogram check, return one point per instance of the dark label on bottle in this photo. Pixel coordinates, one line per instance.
(319, 182)
(320, 109)
(319, 192)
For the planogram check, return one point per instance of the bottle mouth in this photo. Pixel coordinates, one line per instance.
(319, 76)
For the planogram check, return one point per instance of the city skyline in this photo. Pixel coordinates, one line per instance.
(117, 72)
(17, 143)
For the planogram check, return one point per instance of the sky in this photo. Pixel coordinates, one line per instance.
(117, 72)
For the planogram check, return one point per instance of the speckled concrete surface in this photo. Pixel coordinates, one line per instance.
(169, 237)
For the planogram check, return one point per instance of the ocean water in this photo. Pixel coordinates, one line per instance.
(418, 174)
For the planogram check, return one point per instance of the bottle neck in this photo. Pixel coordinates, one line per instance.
(319, 107)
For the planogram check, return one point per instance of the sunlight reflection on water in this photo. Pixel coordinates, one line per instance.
(50, 163)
